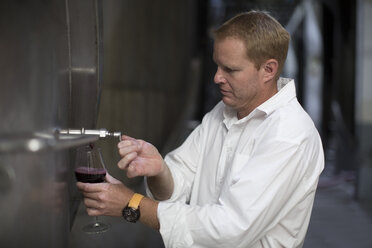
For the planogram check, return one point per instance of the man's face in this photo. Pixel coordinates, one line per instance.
(238, 78)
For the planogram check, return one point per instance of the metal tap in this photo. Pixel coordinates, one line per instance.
(102, 133)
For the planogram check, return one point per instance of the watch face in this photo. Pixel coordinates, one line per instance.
(131, 214)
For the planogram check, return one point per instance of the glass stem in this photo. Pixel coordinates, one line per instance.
(96, 221)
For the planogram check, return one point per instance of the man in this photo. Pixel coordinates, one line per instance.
(247, 175)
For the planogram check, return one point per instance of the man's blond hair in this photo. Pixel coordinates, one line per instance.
(263, 36)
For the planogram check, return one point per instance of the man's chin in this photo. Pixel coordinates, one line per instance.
(232, 104)
(227, 101)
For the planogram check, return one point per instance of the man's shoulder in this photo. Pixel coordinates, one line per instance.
(219, 107)
(292, 121)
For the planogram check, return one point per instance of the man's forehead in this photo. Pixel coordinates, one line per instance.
(229, 47)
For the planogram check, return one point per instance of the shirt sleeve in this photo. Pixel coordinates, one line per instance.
(184, 160)
(269, 184)
(182, 163)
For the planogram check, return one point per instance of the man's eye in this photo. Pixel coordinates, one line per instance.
(229, 70)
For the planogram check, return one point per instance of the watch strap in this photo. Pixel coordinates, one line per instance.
(135, 201)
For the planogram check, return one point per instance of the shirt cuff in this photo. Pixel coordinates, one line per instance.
(173, 234)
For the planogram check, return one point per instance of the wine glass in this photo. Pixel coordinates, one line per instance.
(90, 168)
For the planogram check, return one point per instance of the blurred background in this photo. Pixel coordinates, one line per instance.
(145, 68)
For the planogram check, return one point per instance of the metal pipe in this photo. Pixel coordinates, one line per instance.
(102, 133)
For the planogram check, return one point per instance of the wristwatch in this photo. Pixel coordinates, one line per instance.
(131, 212)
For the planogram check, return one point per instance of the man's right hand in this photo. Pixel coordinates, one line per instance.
(139, 158)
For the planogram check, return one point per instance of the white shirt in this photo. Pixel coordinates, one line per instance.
(245, 183)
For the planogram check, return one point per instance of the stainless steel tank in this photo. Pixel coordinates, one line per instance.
(50, 78)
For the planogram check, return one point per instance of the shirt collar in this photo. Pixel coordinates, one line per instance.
(286, 92)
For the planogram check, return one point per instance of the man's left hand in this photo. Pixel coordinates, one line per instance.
(108, 198)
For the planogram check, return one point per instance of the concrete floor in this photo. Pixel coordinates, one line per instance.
(337, 221)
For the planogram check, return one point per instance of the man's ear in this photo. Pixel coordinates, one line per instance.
(270, 68)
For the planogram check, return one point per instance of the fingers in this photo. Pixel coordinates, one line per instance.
(93, 212)
(128, 145)
(128, 150)
(93, 207)
(126, 160)
(109, 201)
(133, 171)
(91, 198)
(111, 179)
(126, 137)
(94, 198)
(91, 187)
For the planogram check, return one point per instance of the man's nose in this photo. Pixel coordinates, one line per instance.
(218, 76)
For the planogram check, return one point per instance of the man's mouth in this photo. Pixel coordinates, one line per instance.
(224, 92)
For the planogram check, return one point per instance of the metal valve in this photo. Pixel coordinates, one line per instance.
(102, 133)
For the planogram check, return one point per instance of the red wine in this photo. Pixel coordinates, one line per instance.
(90, 175)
